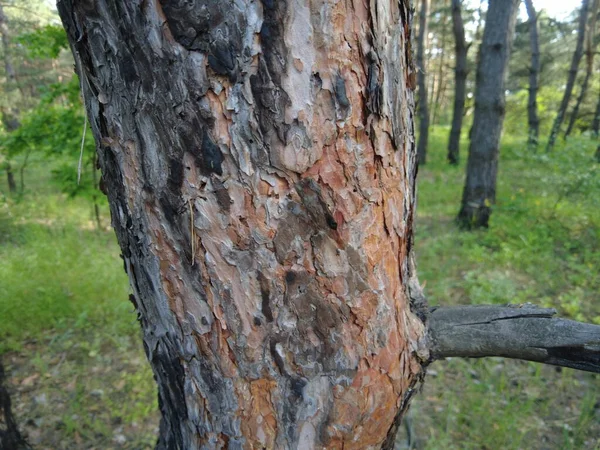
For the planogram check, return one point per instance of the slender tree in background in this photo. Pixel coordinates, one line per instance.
(422, 106)
(577, 54)
(460, 82)
(441, 79)
(482, 167)
(9, 122)
(590, 50)
(534, 70)
(596, 128)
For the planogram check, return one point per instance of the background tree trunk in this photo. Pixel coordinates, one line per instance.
(562, 109)
(10, 123)
(422, 107)
(590, 50)
(460, 77)
(534, 70)
(259, 163)
(441, 82)
(596, 128)
(482, 167)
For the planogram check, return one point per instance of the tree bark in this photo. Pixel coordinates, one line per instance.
(10, 177)
(422, 106)
(534, 70)
(590, 45)
(460, 83)
(259, 163)
(524, 332)
(482, 166)
(562, 109)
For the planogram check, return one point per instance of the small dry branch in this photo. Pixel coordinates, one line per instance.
(515, 331)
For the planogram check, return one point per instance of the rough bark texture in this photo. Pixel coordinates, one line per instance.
(523, 332)
(590, 47)
(422, 105)
(259, 162)
(460, 82)
(577, 54)
(534, 70)
(482, 167)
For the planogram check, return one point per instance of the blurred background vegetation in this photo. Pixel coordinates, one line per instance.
(69, 337)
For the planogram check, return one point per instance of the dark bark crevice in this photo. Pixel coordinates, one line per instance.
(524, 332)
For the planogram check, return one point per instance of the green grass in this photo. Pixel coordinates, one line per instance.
(56, 273)
(68, 333)
(543, 244)
(543, 247)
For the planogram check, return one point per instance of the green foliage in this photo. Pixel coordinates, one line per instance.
(53, 131)
(45, 42)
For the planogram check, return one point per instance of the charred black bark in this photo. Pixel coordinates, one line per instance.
(460, 82)
(479, 192)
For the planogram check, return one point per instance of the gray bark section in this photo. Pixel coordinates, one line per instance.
(482, 167)
(422, 105)
(460, 83)
(534, 70)
(520, 332)
(577, 54)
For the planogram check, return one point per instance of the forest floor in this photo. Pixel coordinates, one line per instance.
(79, 379)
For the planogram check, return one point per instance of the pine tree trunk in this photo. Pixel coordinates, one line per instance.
(482, 166)
(422, 106)
(596, 129)
(562, 109)
(460, 83)
(590, 46)
(440, 78)
(534, 70)
(259, 163)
